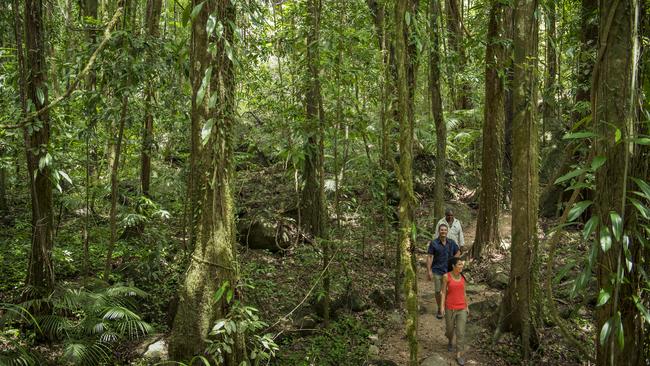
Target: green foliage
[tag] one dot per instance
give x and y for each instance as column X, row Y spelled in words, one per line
column 241, row 322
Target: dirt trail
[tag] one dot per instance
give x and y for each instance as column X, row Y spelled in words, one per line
column 431, row 331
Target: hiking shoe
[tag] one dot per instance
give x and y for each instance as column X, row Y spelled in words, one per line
column 439, row 316
column 450, row 347
column 461, row 361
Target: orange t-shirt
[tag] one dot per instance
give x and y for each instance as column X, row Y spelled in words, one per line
column 455, row 299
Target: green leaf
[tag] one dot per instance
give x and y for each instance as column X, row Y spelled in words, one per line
column 603, row 296
column 569, row 175
column 617, row 135
column 644, row 186
column 641, row 141
column 642, row 309
column 605, row 239
column 206, row 131
column 204, row 85
column 221, row 290
column 44, row 161
column 597, row 162
column 619, row 331
column 210, row 24
column 579, row 135
column 407, row 18
column 196, row 10
column 213, row 100
column 578, row 209
column 605, row 331
column 590, row 226
column 643, row 209
column 617, row 224
column 65, row 176
column 40, row 95
column 229, row 295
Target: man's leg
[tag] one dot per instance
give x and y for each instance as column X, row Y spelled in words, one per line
column 437, row 283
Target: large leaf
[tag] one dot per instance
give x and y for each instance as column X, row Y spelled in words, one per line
column 579, row 135
column 578, row 209
column 590, row 226
column 644, row 186
column 617, row 224
column 605, row 239
column 603, row 296
column 569, row 175
column 605, row 331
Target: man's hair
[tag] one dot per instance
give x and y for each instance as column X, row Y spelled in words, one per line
column 449, row 211
column 454, row 261
column 441, row 225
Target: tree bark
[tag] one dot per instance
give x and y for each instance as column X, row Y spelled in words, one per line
column 487, row 228
column 457, row 49
column 37, row 137
column 549, row 108
column 117, row 149
column 614, row 107
column 313, row 195
column 518, row 304
column 152, row 20
column 436, row 108
column 405, row 173
column 214, row 259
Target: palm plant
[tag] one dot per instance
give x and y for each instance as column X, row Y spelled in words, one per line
column 89, row 323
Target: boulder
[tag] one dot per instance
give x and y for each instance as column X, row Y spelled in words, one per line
column 266, row 231
column 435, row 360
column 475, row 288
column 157, row 351
column 484, row 308
column 498, row 279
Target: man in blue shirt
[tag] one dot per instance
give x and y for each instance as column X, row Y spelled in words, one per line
column 441, row 250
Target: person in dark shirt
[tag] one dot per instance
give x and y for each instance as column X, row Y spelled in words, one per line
column 440, row 251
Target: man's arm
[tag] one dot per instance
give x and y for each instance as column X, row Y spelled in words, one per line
column 461, row 237
column 443, row 293
column 429, row 264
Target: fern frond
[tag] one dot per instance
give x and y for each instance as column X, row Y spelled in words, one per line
column 80, row 353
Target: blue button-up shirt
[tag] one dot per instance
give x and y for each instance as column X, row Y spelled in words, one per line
column 441, row 254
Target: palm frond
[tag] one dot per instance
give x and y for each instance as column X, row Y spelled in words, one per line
column 55, row 326
column 80, row 353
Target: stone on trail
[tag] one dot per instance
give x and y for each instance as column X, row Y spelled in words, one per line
column 157, row 351
column 373, row 351
column 435, row 360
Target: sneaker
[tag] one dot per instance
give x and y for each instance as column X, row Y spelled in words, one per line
column 461, row 361
column 439, row 316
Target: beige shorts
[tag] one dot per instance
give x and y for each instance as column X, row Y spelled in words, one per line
column 437, row 282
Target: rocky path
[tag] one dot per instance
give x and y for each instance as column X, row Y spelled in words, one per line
column 431, row 331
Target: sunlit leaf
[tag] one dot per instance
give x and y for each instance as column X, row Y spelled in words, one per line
column 597, row 162
column 579, row 135
column 578, row 209
column 603, row 296
column 605, row 239
column 605, row 331
column 590, row 226
column 617, row 224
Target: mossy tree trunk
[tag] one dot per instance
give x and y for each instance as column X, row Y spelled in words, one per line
column 213, row 260
column 313, row 194
column 436, row 108
column 614, row 110
column 33, row 71
column 405, row 174
column 487, row 228
column 461, row 90
column 152, row 21
column 517, row 309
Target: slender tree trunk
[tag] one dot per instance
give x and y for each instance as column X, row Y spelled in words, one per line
column 614, row 105
column 3, row 192
column 509, row 108
column 117, row 146
column 487, row 227
column 405, row 173
column 34, row 76
column 549, row 108
column 152, row 20
column 457, row 49
column 518, row 303
column 313, row 195
column 214, row 259
column 436, row 108
column 586, row 55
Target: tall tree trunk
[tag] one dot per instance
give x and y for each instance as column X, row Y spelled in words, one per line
column 117, row 149
column 549, row 108
column 37, row 138
column 509, row 108
column 405, row 173
column 457, row 49
column 436, row 108
column 487, row 227
column 313, row 195
column 152, row 20
column 3, row 192
column 614, row 107
column 89, row 11
column 586, row 56
column 214, row 259
column 518, row 303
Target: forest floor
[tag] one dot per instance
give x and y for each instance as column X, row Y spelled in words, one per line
column 432, row 341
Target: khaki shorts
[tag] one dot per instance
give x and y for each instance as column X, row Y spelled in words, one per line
column 437, row 282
